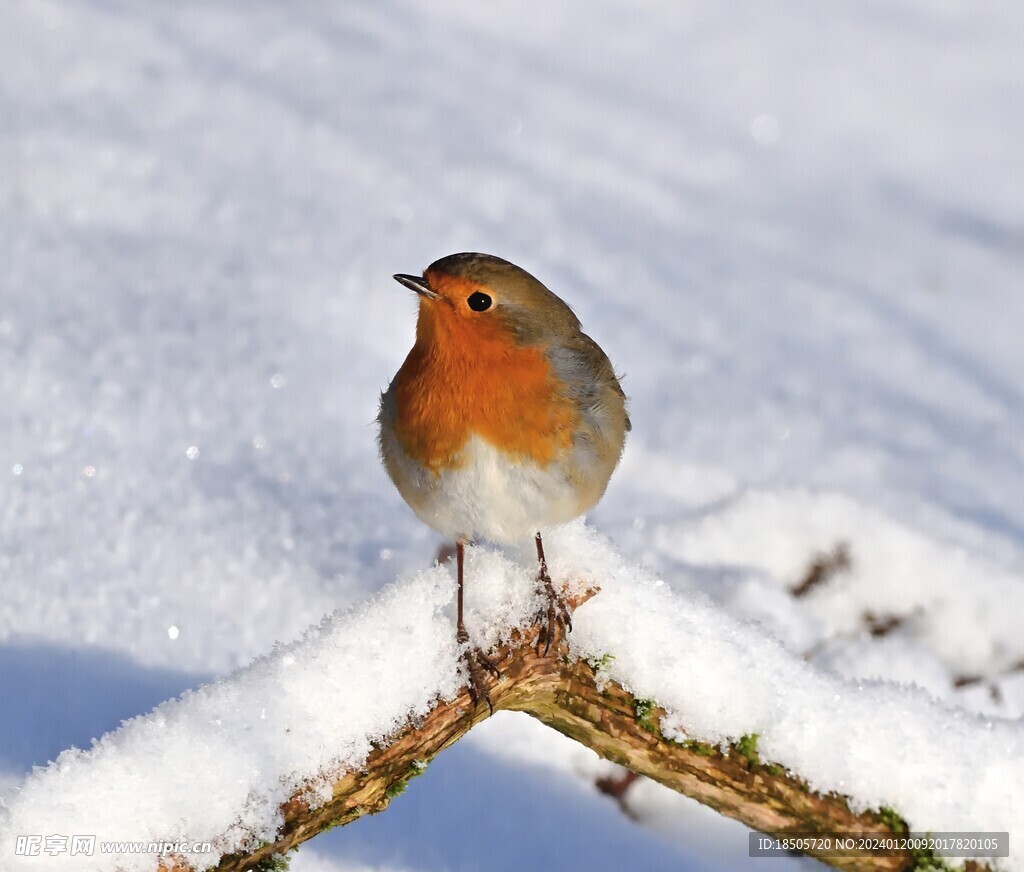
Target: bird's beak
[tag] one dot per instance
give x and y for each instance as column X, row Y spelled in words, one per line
column 418, row 284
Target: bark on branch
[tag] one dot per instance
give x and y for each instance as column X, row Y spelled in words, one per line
column 565, row 695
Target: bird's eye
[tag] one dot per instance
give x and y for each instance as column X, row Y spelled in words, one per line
column 479, row 301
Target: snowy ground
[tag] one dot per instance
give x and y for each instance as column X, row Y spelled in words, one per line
column 799, row 234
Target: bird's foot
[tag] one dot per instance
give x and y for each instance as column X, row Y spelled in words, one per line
column 555, row 619
column 477, row 665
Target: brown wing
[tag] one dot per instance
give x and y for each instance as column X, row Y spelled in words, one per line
column 600, row 370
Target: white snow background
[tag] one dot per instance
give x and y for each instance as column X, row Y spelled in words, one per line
column 798, row 231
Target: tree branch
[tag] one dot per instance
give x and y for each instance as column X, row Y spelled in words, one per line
column 566, row 695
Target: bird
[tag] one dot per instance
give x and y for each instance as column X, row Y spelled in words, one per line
column 504, row 419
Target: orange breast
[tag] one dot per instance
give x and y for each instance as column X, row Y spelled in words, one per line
column 466, row 376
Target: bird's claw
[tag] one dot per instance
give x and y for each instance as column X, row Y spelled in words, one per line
column 476, row 664
column 556, row 615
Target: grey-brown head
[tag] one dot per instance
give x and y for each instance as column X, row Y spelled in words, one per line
column 484, row 286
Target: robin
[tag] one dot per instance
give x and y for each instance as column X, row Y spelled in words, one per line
column 505, row 418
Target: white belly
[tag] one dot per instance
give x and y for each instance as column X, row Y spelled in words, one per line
column 486, row 496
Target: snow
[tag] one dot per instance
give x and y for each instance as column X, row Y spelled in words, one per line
column 944, row 591
column 224, row 758
column 799, row 235
column 719, row 680
column 216, row 765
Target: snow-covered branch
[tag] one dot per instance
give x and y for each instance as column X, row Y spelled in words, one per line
column 566, row 694
column 331, row 727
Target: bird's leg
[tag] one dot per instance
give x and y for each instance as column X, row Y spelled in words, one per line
column 460, row 624
column 476, row 660
column 557, row 611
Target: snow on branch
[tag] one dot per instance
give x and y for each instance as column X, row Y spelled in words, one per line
column 332, row 727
